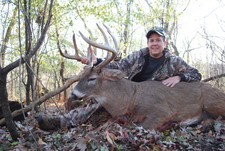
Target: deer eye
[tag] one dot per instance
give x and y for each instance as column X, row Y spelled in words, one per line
column 91, row 79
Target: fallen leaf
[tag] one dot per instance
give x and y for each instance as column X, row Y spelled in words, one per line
column 110, row 137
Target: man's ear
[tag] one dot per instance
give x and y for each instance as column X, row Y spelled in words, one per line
column 165, row 43
column 112, row 74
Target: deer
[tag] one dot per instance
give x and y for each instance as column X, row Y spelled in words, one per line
column 149, row 104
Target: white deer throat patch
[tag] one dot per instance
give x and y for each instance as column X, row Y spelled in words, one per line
column 78, row 94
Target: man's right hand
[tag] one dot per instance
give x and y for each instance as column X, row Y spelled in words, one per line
column 93, row 57
column 84, row 61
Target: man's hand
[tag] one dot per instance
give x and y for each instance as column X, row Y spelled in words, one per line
column 171, row 81
column 93, row 57
column 84, row 61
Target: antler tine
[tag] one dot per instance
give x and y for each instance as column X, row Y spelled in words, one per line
column 76, row 49
column 90, row 56
column 76, row 56
column 105, row 38
column 104, row 35
column 114, row 39
column 104, row 47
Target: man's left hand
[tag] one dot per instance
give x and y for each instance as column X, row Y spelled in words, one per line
column 171, row 81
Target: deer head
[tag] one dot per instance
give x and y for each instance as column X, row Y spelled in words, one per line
column 93, row 75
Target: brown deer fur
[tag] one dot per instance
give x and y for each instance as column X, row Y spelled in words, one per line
column 184, row 103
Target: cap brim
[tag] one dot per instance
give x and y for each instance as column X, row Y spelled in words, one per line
column 154, row 31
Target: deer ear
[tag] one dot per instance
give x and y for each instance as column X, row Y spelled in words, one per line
column 112, row 74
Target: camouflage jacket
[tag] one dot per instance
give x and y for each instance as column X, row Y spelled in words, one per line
column 172, row 66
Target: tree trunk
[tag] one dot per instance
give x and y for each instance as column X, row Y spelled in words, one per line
column 5, row 107
column 29, row 84
column 62, row 69
column 126, row 28
column 6, row 38
column 28, row 41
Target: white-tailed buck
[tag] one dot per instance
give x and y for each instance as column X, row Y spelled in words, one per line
column 150, row 103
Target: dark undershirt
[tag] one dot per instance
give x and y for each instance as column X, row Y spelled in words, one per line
column 150, row 66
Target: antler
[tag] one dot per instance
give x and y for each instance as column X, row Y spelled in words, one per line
column 104, row 47
column 76, row 56
column 114, row 39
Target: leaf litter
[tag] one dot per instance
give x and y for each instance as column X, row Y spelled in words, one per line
column 104, row 133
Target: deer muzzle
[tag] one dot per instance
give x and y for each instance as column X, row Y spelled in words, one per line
column 73, row 97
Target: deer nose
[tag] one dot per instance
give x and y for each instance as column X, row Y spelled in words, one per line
column 73, row 97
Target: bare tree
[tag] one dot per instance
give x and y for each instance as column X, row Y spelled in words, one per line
column 216, row 70
column 24, row 59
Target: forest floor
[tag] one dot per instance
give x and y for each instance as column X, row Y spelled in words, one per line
column 103, row 133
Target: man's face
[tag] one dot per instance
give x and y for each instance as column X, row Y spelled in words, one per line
column 156, row 45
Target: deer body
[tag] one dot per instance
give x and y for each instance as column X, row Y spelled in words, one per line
column 151, row 101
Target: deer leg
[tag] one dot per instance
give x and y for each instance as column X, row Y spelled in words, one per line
column 215, row 108
column 158, row 123
column 214, row 104
column 213, row 101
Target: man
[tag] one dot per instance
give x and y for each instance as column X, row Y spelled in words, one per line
column 154, row 62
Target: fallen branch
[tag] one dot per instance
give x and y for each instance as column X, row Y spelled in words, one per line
column 42, row 99
column 214, row 77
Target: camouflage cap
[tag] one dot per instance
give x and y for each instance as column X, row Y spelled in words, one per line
column 158, row 30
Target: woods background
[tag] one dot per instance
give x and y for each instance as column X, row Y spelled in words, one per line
column 33, row 31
